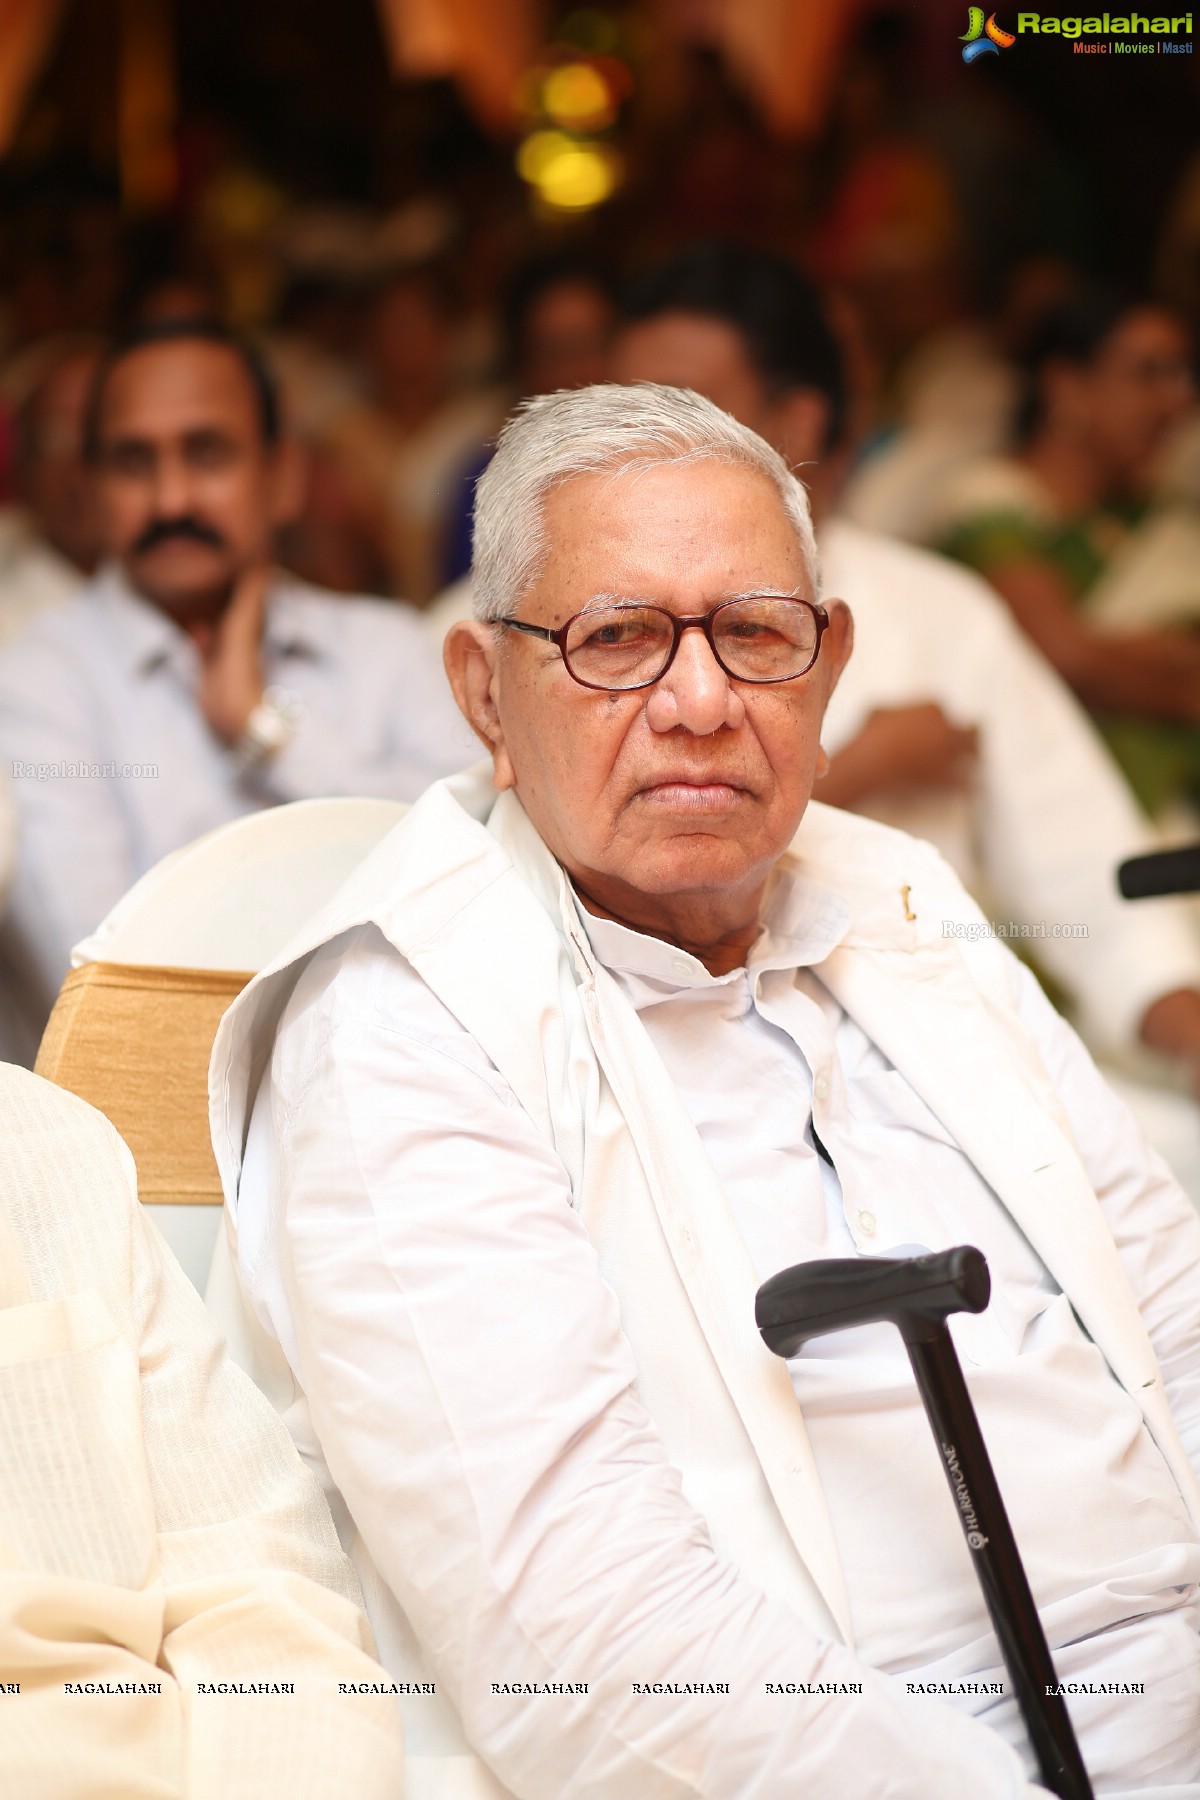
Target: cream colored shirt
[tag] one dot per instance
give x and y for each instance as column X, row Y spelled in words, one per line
column 176, row 1617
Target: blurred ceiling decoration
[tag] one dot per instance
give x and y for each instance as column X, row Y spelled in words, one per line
column 146, row 105
column 27, row 32
column 784, row 54
column 485, row 45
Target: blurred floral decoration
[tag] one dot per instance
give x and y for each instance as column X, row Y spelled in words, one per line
column 481, row 44
column 570, row 104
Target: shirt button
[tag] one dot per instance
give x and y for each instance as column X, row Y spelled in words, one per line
column 681, row 968
column 866, row 1223
column 821, row 1087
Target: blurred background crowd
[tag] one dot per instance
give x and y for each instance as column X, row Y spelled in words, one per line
column 423, row 211
column 426, row 210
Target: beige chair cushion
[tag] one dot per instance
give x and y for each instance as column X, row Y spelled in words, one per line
column 135, row 1040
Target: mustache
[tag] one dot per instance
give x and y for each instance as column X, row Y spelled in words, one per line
column 186, row 526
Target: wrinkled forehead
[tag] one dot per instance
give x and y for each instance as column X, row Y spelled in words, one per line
column 686, row 533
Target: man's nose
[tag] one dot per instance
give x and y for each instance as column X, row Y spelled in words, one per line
column 695, row 692
column 172, row 488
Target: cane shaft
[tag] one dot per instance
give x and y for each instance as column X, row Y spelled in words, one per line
column 998, row 1565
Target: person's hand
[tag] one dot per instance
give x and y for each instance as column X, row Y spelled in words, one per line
column 231, row 668
column 901, row 747
column 917, row 746
column 1171, row 1025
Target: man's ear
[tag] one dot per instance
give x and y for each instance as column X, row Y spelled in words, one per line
column 289, row 482
column 837, row 643
column 470, row 654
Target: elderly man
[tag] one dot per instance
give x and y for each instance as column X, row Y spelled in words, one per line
column 190, row 683
column 587, row 1051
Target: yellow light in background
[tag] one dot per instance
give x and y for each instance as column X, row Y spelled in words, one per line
column 577, row 177
column 577, row 95
column 570, row 98
column 538, row 151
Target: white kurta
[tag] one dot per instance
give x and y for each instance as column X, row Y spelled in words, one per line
column 521, row 1392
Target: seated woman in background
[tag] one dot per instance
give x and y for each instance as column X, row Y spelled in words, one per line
column 1106, row 381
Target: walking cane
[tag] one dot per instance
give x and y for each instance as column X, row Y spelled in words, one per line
column 917, row 1294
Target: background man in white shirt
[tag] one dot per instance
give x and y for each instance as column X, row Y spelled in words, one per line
column 948, row 723
column 190, row 682
column 544, row 1090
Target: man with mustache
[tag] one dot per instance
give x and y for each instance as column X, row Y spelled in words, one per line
column 191, row 682
column 600, row 1038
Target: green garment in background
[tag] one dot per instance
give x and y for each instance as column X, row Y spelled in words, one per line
column 1160, row 759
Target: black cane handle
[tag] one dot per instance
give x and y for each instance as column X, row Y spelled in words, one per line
column 914, row 1293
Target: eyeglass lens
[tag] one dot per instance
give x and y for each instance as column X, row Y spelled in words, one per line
column 762, row 638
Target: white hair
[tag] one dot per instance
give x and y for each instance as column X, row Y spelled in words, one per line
column 593, row 430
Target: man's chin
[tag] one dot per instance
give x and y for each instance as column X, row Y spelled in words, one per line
column 698, row 859
column 185, row 589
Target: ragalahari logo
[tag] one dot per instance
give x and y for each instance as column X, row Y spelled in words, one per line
column 980, row 39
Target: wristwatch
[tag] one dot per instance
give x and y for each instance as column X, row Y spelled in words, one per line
column 270, row 726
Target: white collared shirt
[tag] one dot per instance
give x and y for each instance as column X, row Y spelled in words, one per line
column 466, row 1391
column 107, row 682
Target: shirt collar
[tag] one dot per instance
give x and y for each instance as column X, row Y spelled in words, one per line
column 150, row 639
column 144, row 636
column 843, row 881
column 801, row 924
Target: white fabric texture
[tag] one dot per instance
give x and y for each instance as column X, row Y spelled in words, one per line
column 156, row 1525
column 33, row 576
column 107, row 680
column 482, row 1227
column 1111, row 1549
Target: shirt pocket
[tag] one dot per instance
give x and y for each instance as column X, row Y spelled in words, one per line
column 75, row 1496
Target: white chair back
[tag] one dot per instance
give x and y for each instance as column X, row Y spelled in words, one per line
column 229, row 902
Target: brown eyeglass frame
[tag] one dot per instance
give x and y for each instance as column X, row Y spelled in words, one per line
column 680, row 623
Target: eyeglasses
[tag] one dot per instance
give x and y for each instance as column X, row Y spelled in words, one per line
column 630, row 644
